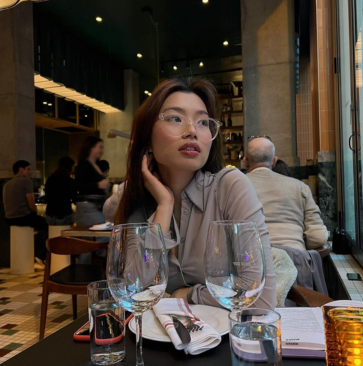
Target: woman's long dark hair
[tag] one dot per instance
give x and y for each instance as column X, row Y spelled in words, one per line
column 135, row 195
column 88, row 144
column 65, row 167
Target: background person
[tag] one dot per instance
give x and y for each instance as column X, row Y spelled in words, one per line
column 290, row 211
column 282, row 168
column 60, row 191
column 20, row 208
column 91, row 184
column 183, row 186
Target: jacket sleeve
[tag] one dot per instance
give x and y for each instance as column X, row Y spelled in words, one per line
column 238, row 201
column 112, row 203
column 316, row 234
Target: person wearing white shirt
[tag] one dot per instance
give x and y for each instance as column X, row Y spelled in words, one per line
column 292, row 217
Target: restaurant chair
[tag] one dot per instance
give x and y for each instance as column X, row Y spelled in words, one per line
column 307, row 298
column 324, row 251
column 72, row 279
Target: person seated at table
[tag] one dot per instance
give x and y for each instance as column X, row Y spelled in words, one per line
column 20, row 208
column 176, row 177
column 60, row 191
column 292, row 217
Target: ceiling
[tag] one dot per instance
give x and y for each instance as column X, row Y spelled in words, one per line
column 189, row 32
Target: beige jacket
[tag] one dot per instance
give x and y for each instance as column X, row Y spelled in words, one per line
column 290, row 211
column 228, row 195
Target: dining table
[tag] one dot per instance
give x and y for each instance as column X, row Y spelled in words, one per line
column 59, row 349
column 85, row 231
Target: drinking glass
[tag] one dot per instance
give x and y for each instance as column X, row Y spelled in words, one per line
column 234, row 263
column 343, row 331
column 107, row 325
column 255, row 337
column 137, row 271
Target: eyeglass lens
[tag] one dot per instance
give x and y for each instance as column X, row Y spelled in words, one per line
column 176, row 125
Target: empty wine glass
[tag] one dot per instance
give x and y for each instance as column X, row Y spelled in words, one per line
column 234, row 263
column 137, row 271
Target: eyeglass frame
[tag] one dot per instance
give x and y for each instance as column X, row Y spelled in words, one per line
column 218, row 123
column 250, row 138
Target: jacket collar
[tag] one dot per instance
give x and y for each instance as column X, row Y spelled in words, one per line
column 195, row 190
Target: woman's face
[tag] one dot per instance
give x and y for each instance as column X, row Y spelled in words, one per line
column 187, row 152
column 97, row 151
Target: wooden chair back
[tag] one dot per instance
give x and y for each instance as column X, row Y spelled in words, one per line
column 73, row 246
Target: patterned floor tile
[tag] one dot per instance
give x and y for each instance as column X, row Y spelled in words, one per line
column 20, row 302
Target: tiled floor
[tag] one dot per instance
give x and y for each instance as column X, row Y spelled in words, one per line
column 346, row 264
column 20, row 300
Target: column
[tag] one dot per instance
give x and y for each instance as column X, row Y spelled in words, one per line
column 268, row 50
column 17, row 107
column 116, row 147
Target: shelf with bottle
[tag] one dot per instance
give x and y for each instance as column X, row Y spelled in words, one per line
column 231, row 112
column 232, row 128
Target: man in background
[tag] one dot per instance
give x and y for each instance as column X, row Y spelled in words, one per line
column 292, row 217
column 19, row 204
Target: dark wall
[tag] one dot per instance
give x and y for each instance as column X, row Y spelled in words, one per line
column 51, row 146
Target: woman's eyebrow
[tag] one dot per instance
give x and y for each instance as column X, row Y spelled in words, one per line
column 182, row 110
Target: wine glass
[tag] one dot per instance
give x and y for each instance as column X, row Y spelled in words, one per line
column 234, row 263
column 137, row 271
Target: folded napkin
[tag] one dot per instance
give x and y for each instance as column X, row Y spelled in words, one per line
column 201, row 341
column 104, row 226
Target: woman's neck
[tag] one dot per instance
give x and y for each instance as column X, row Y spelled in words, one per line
column 176, row 180
column 92, row 160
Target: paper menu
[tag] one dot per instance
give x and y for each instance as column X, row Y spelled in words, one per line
column 302, row 328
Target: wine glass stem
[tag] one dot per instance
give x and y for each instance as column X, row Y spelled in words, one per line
column 139, row 359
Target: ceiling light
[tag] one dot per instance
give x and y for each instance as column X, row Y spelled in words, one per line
column 50, row 104
column 175, row 68
column 86, row 115
column 99, row 19
column 201, row 64
column 149, row 94
column 45, row 103
column 225, row 43
column 205, row 1
column 146, row 92
column 139, row 55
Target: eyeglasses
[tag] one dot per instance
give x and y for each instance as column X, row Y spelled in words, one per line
column 256, row 137
column 176, row 125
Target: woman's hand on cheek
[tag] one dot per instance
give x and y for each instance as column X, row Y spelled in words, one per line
column 162, row 194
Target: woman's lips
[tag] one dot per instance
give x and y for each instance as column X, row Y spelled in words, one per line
column 190, row 149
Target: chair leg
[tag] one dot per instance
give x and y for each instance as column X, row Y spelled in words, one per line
column 74, row 306
column 43, row 313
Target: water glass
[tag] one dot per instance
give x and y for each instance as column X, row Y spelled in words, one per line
column 344, row 336
column 107, row 325
column 255, row 337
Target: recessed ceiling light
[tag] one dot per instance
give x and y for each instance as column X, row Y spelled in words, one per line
column 146, row 92
column 149, row 94
column 45, row 103
column 139, row 55
column 86, row 115
column 50, row 104
column 201, row 64
column 225, row 43
column 205, row 1
column 175, row 68
column 99, row 19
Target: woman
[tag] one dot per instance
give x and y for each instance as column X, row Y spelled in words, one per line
column 91, row 183
column 183, row 186
column 60, row 191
